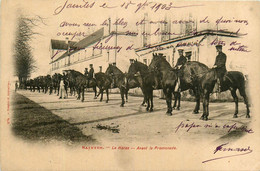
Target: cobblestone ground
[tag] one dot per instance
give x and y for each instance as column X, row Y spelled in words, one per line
column 110, row 123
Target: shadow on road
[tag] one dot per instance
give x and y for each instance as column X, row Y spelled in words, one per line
column 35, row 123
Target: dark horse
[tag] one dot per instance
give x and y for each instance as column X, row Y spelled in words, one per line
column 232, row 81
column 80, row 82
column 167, row 77
column 189, row 75
column 146, row 81
column 119, row 80
column 103, row 83
column 56, row 78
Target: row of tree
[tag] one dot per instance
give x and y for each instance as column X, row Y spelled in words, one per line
column 24, row 62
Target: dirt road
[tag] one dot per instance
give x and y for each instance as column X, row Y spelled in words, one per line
column 111, row 124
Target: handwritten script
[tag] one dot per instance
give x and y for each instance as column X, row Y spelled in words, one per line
column 135, row 6
column 229, row 127
column 237, row 150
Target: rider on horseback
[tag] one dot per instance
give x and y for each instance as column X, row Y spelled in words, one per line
column 181, row 61
column 113, row 84
column 220, row 67
column 86, row 72
column 90, row 74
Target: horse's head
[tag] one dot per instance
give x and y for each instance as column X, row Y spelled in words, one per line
column 133, row 68
column 137, row 66
column 159, row 62
column 113, row 70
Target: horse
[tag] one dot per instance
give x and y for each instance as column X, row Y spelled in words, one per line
column 167, row 78
column 92, row 83
column 46, row 83
column 103, row 83
column 56, row 78
column 32, row 86
column 145, row 79
column 232, row 81
column 189, row 75
column 79, row 80
column 119, row 80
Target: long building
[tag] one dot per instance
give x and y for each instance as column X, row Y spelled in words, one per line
column 106, row 46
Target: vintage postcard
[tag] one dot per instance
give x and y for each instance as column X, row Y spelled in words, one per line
column 130, row 85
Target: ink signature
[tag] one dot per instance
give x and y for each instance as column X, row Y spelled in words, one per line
column 241, row 151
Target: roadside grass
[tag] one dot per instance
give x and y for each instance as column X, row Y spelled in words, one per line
column 33, row 122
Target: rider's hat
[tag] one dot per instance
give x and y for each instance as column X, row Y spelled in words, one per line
column 131, row 61
column 180, row 50
column 91, row 65
column 188, row 53
column 219, row 46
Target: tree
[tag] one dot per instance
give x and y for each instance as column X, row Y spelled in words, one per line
column 23, row 59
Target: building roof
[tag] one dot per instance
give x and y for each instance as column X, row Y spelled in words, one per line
column 201, row 33
column 92, row 38
column 77, row 46
column 61, row 44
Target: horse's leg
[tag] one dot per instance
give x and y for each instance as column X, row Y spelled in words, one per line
column 95, row 91
column 207, row 107
column 143, row 104
column 82, row 99
column 122, row 97
column 197, row 106
column 179, row 100
column 243, row 94
column 101, row 98
column 51, row 89
column 168, row 95
column 144, row 100
column 58, row 90
column 234, row 95
column 107, row 95
column 126, row 95
column 74, row 90
column 175, row 100
column 151, row 99
column 78, row 92
column 147, row 100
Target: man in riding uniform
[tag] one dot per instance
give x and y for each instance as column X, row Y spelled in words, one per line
column 181, row 61
column 220, row 66
column 91, row 72
column 112, row 76
column 86, row 72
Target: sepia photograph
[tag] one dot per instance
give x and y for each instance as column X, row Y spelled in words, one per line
column 130, row 85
